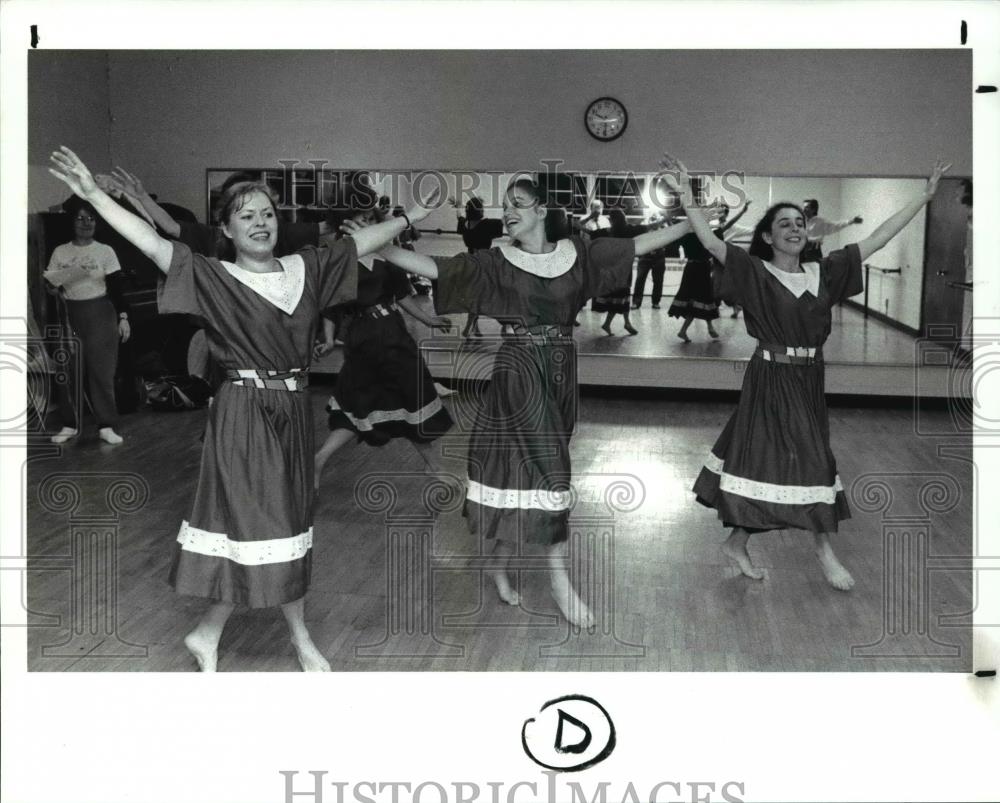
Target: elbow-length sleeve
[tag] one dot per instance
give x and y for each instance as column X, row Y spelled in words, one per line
column 840, row 271
column 180, row 289
column 336, row 266
column 734, row 280
column 468, row 282
column 607, row 263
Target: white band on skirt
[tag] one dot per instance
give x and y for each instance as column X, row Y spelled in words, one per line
column 384, row 416
column 770, row 492
column 519, row 500
column 246, row 553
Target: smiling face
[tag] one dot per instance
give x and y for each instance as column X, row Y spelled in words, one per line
column 522, row 213
column 253, row 225
column 788, row 232
column 84, row 224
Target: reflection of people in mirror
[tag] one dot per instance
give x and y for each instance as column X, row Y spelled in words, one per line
column 772, row 467
column 519, row 461
column 817, row 228
column 478, row 232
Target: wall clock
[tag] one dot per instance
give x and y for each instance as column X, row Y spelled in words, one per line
column 606, row 119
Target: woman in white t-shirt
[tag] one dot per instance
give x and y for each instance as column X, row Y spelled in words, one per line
column 78, row 271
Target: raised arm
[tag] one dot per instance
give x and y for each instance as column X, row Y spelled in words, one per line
column 891, row 227
column 74, row 174
column 410, row 261
column 651, row 240
column 133, row 189
column 678, row 180
column 372, row 238
column 735, row 218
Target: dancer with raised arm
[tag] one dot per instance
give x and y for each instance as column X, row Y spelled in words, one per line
column 384, row 390
column 248, row 540
column 519, row 461
column 772, row 467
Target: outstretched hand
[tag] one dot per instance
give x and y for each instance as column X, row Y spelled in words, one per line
column 73, row 173
column 129, row 181
column 422, row 208
column 940, row 168
column 674, row 173
column 109, row 184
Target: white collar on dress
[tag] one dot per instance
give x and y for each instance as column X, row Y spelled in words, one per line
column 282, row 288
column 368, row 261
column 547, row 266
column 797, row 283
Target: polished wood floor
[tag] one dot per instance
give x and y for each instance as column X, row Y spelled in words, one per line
column 396, row 588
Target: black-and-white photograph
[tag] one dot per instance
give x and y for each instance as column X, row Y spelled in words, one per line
column 418, row 362
column 582, row 404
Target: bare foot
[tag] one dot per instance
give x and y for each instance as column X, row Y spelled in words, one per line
column 310, row 658
column 504, row 588
column 205, row 651
column 606, row 327
column 834, row 571
column 631, row 329
column 741, row 558
column 570, row 604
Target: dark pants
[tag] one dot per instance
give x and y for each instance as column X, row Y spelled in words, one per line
column 641, row 272
column 95, row 324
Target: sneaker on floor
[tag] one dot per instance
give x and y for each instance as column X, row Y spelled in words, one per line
column 108, row 435
column 64, row 435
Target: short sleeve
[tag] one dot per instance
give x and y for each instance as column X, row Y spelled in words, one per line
column 840, row 271
column 109, row 261
column 734, row 281
column 178, row 290
column 336, row 266
column 607, row 263
column 467, row 282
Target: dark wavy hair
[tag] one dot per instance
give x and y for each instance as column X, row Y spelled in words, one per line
column 758, row 247
column 556, row 220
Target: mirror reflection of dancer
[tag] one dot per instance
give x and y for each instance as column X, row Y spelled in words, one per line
column 616, row 301
column 728, row 230
column 772, row 467
column 478, row 233
column 248, row 540
column 817, row 228
column 384, row 389
column 519, row 462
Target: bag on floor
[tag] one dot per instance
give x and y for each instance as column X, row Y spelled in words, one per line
column 173, row 393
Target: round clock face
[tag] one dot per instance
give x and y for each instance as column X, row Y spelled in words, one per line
column 606, row 119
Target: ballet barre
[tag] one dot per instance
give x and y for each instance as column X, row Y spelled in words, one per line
column 883, row 271
column 966, row 286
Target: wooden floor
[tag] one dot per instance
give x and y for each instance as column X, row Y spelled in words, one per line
column 394, row 589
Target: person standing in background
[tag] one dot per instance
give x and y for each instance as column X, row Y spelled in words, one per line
column 84, row 272
column 817, row 228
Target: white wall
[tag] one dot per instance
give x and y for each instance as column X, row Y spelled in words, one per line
column 898, row 295
column 173, row 114
column 68, row 104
